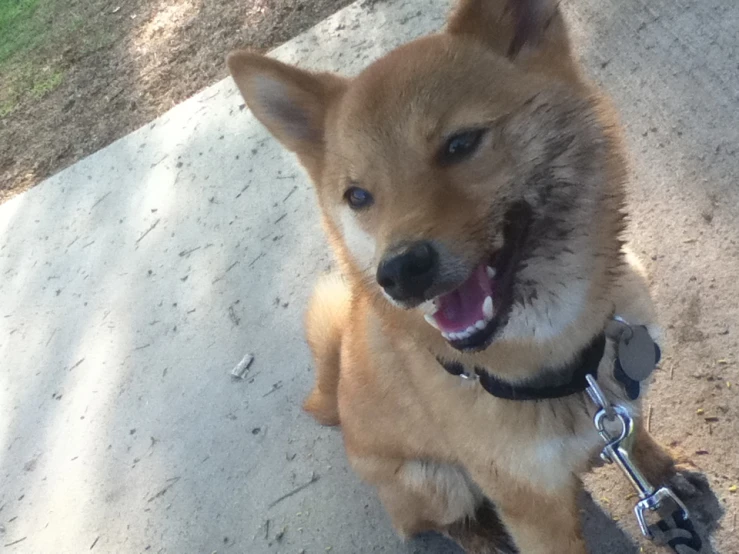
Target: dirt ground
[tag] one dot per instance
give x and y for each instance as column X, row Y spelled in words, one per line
column 113, row 66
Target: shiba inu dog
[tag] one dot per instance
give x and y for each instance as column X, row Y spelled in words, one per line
column 471, row 185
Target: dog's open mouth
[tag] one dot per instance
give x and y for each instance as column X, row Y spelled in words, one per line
column 469, row 316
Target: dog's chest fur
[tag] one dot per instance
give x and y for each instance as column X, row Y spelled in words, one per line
column 541, row 443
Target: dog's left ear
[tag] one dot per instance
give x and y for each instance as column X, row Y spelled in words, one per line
column 528, row 32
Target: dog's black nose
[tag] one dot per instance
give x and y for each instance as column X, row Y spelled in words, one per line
column 406, row 275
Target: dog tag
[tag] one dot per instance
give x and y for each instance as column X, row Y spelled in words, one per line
column 637, row 353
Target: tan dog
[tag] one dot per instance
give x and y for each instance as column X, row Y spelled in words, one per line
column 471, row 185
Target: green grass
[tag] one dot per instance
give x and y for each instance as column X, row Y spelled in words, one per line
column 6, row 108
column 29, row 31
column 37, row 36
column 18, row 27
column 27, row 80
column 46, row 82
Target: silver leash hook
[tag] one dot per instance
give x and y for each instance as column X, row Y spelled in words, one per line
column 599, row 398
column 618, row 449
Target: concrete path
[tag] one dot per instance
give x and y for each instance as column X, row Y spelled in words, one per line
column 134, row 281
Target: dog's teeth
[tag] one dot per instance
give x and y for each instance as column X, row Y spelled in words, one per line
column 491, row 272
column 480, row 325
column 471, row 329
column 431, row 321
column 447, row 336
column 487, row 308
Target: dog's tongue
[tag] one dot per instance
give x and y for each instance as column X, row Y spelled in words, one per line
column 463, row 307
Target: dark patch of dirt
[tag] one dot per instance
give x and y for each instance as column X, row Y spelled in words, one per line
column 131, row 61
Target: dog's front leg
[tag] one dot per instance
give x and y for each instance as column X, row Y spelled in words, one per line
column 539, row 521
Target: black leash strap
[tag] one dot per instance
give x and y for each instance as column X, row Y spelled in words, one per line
column 676, row 531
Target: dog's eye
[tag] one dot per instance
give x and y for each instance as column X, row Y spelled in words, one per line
column 460, row 146
column 358, row 198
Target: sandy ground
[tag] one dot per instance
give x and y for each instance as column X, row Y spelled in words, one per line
column 135, row 280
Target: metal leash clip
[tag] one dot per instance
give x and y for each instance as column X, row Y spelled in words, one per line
column 616, row 428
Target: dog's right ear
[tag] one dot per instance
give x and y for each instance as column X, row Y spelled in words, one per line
column 528, row 32
column 290, row 102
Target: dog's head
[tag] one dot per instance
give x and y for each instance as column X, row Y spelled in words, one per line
column 468, row 174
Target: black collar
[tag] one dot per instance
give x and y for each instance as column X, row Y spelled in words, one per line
column 556, row 382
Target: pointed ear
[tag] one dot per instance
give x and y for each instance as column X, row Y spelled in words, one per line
column 525, row 31
column 290, row 102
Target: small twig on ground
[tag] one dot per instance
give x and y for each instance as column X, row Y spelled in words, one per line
column 251, row 263
column 232, row 316
column 162, row 492
column 15, row 542
column 94, row 542
column 223, row 275
column 103, row 197
column 159, row 161
column 149, row 230
column 649, row 419
column 295, row 491
column 186, row 253
column 276, row 386
column 289, row 194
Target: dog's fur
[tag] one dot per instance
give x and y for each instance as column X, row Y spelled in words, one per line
column 441, row 451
